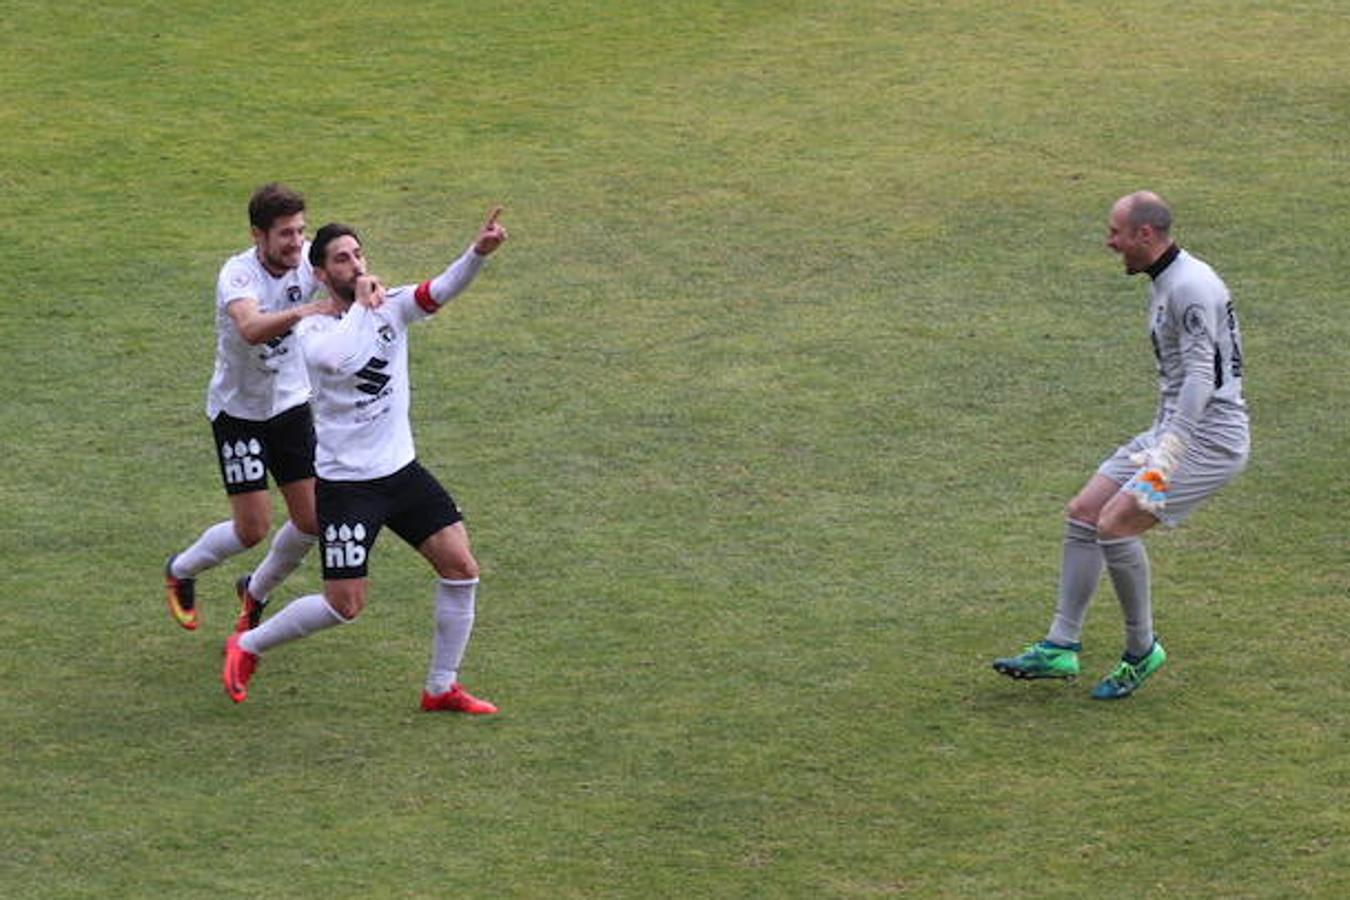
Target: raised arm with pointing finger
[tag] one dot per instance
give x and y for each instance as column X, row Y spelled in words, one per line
column 369, row 476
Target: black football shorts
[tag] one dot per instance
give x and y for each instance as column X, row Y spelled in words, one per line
column 351, row 513
column 248, row 449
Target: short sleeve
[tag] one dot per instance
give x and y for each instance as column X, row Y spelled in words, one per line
column 236, row 282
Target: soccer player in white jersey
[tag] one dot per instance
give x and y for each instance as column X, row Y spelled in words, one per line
column 368, row 471
column 1198, row 443
column 257, row 402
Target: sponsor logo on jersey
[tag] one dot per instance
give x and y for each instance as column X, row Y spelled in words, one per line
column 343, row 547
column 371, row 379
column 364, row 416
column 242, row 461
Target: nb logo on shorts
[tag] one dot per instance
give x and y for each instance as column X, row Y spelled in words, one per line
column 342, row 548
column 242, row 461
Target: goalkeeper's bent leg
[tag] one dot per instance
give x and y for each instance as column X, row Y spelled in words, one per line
column 1127, row 562
column 1080, row 570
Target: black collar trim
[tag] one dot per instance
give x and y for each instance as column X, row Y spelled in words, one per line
column 1162, row 262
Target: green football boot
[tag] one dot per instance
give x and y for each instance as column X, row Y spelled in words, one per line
column 1041, row 660
column 1125, row 678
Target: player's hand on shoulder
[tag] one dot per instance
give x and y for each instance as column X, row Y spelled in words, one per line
column 492, row 235
column 324, row 306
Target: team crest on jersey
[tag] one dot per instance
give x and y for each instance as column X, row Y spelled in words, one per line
column 386, row 334
column 1193, row 320
column 293, row 293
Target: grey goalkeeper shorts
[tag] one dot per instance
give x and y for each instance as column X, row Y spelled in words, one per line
column 1204, row 469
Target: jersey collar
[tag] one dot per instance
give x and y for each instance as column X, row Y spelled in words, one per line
column 1162, row 262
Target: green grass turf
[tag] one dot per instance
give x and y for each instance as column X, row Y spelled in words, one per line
column 763, row 422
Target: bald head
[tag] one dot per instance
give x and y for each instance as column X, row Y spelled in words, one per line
column 1147, row 208
column 1139, row 229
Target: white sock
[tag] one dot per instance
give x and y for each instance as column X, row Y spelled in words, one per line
column 288, row 549
column 454, row 624
column 297, row 619
column 217, row 543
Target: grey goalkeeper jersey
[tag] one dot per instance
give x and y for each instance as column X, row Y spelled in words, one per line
column 1198, row 346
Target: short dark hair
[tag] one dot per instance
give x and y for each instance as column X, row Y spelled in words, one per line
column 318, row 248
column 272, row 201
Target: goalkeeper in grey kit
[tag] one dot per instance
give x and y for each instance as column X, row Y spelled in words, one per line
column 1198, row 443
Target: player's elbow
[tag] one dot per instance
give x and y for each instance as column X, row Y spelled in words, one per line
column 252, row 334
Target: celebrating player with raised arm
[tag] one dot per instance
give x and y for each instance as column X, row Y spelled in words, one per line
column 1198, row 443
column 258, row 404
column 368, row 474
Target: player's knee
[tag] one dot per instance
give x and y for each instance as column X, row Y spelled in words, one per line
column 467, row 571
column 1108, row 529
column 251, row 531
column 308, row 523
column 1122, row 520
column 1079, row 510
column 459, row 568
column 347, row 604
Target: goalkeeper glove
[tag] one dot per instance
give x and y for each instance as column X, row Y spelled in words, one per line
column 1150, row 484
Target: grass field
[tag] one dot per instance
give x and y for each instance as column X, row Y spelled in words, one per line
column 763, row 423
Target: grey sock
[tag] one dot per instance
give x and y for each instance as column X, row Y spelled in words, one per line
column 1127, row 563
column 1080, row 570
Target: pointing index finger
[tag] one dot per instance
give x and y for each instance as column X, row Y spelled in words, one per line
column 492, row 217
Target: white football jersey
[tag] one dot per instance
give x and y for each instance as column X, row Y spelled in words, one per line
column 258, row 381
column 358, row 365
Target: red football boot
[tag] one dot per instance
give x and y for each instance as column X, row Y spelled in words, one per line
column 456, row 700
column 238, row 669
column 250, row 610
column 181, row 595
